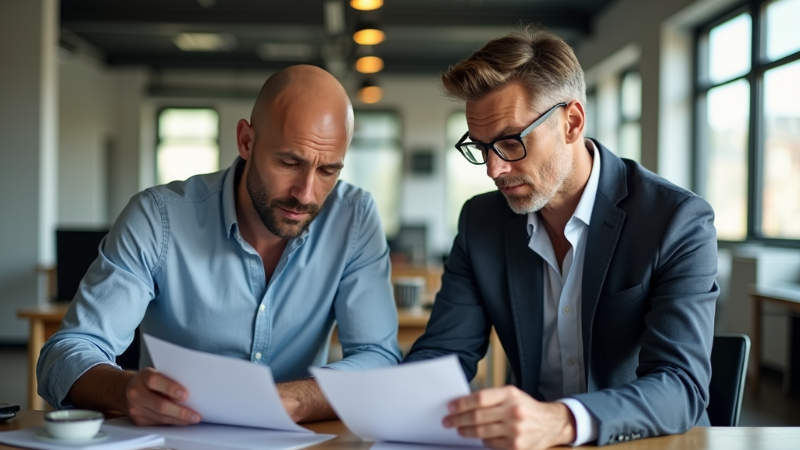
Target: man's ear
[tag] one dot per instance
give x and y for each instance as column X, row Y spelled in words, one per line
column 576, row 120
column 245, row 139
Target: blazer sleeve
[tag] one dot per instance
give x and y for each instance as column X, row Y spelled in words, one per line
column 670, row 393
column 459, row 324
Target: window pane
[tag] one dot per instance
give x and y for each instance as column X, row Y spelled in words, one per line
column 725, row 147
column 630, row 141
column 590, row 129
column 631, row 91
column 783, row 33
column 185, row 123
column 781, row 214
column 374, row 162
column 729, row 48
column 464, row 180
column 179, row 161
column 187, row 143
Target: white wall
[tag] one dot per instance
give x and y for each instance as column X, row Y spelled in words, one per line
column 28, row 133
column 86, row 124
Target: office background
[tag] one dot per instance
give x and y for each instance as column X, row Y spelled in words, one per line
column 100, row 99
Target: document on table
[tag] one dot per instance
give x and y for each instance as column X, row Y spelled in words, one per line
column 206, row 436
column 109, row 438
column 402, row 404
column 223, row 390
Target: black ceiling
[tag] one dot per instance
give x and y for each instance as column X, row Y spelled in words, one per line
column 422, row 36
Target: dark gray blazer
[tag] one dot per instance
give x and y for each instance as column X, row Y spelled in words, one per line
column 648, row 298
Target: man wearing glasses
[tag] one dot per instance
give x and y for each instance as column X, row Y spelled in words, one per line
column 598, row 275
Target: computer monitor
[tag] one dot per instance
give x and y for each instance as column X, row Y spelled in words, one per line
column 76, row 249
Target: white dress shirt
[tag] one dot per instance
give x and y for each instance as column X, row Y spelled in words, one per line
column 562, row 368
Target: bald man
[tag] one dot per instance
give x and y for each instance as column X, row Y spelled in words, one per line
column 255, row 262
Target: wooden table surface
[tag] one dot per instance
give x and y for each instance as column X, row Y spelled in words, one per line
column 699, row 438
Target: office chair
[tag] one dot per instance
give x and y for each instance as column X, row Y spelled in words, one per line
column 728, row 373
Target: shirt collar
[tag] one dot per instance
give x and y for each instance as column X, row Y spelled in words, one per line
column 583, row 211
column 229, row 195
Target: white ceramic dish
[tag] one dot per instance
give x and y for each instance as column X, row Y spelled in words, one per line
column 73, row 424
column 43, row 435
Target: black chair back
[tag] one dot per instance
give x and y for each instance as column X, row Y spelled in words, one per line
column 728, row 373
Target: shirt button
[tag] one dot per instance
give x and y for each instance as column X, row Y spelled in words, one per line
column 571, row 361
column 258, row 355
column 261, row 308
column 566, row 310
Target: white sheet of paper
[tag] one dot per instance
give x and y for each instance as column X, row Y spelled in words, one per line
column 217, row 437
column 118, row 439
column 223, row 390
column 402, row 404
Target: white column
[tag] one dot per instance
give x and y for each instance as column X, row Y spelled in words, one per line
column 28, row 159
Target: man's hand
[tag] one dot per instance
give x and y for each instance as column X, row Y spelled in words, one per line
column 509, row 418
column 304, row 401
column 153, row 399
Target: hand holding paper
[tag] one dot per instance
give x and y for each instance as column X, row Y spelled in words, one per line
column 223, row 390
column 403, row 404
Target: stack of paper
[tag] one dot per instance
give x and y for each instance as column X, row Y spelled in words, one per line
column 218, row 437
column 109, row 438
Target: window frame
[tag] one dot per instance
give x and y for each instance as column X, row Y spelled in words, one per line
column 157, row 135
column 759, row 65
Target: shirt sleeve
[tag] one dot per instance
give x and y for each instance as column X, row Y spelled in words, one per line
column 585, row 424
column 364, row 308
column 110, row 302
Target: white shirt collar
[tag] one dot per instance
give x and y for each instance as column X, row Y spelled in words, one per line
column 583, row 211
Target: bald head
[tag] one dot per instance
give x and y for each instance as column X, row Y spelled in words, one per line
column 307, row 94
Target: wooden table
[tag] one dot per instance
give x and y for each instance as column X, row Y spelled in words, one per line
column 699, row 438
column 787, row 296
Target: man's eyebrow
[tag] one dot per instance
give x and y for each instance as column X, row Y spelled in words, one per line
column 504, row 132
column 333, row 166
column 287, row 154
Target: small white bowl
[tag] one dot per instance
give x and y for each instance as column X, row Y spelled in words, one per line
column 73, row 424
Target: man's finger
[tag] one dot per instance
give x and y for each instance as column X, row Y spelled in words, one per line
column 480, row 399
column 489, row 431
column 160, row 383
column 479, row 416
column 162, row 407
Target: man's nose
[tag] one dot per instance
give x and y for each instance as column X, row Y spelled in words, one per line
column 303, row 188
column 496, row 166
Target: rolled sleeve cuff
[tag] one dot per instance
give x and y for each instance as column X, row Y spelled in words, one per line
column 585, row 424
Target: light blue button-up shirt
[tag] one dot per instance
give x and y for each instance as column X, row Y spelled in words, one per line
column 176, row 263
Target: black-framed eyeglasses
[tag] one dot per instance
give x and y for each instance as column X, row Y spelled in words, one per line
column 508, row 148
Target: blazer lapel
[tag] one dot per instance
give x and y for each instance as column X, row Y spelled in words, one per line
column 525, row 291
column 604, row 231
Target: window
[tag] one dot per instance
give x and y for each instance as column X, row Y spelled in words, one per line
column 374, row 162
column 188, row 143
column 590, row 129
column 630, row 113
column 748, row 121
column 614, row 110
column 464, row 180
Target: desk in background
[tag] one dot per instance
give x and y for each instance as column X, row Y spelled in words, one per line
column 44, row 322
column 699, row 438
column 788, row 297
column 411, row 324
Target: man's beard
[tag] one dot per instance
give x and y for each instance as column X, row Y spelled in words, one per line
column 552, row 175
column 267, row 208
